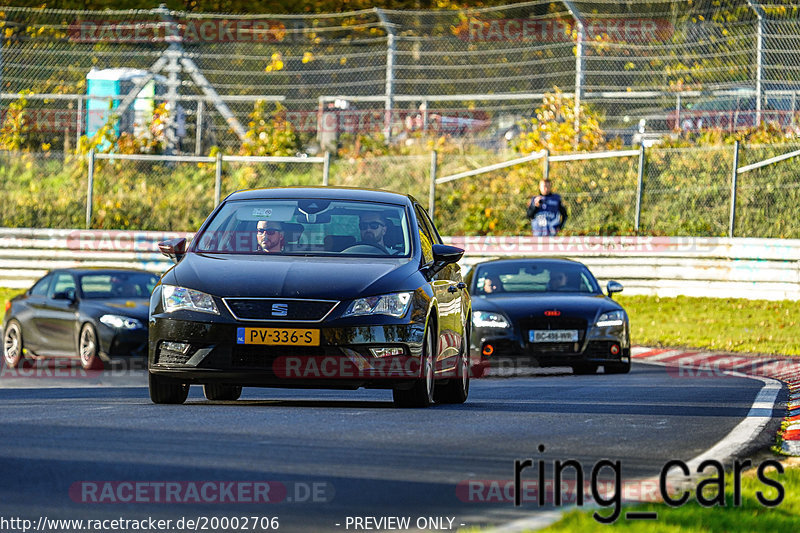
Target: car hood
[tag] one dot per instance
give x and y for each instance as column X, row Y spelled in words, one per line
column 587, row 306
column 290, row 276
column 130, row 307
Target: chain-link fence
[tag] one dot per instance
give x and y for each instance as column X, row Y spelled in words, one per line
column 684, row 191
column 646, row 67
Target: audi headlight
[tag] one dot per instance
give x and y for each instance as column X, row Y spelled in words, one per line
column 614, row 318
column 120, row 322
column 388, row 304
column 175, row 298
column 482, row 319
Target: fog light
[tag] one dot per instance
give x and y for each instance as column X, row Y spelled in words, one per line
column 488, row 350
column 387, row 351
column 614, row 349
column 179, row 347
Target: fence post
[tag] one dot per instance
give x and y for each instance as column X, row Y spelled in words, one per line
column 734, row 178
column 678, row 125
column 90, row 190
column 432, row 191
column 759, row 11
column 546, row 165
column 79, row 125
column 576, row 15
column 198, row 128
column 218, row 180
column 639, row 187
column 326, row 169
column 389, row 92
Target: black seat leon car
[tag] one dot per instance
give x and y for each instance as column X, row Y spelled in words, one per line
column 312, row 288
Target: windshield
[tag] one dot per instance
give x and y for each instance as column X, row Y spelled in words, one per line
column 307, row 227
column 499, row 279
column 117, row 285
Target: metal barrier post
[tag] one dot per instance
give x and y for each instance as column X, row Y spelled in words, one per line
column 639, row 187
column 326, row 169
column 90, row 189
column 218, row 180
column 734, row 177
column 432, row 191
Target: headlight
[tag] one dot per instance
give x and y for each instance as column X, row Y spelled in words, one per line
column 389, row 304
column 614, row 318
column 482, row 319
column 175, row 298
column 120, row 322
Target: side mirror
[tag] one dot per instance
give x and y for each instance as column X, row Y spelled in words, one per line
column 613, row 286
column 175, row 249
column 444, row 255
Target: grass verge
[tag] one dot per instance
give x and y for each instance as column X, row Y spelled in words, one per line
column 729, row 324
column 692, row 517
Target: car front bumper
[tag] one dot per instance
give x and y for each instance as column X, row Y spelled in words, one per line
column 343, row 359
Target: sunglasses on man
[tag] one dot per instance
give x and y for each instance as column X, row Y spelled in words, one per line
column 370, row 225
column 268, row 231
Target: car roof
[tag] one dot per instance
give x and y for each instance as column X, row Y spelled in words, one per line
column 328, row 193
column 99, row 270
column 525, row 260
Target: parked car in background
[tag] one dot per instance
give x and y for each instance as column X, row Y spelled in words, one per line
column 548, row 312
column 358, row 290
column 733, row 112
column 88, row 314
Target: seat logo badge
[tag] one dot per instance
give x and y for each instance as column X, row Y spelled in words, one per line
column 280, row 309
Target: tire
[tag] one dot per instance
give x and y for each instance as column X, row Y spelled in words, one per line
column 13, row 352
column 421, row 393
column 457, row 388
column 165, row 390
column 583, row 369
column 89, row 348
column 219, row 392
column 618, row 368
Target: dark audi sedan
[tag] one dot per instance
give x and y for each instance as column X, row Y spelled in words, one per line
column 548, row 312
column 91, row 314
column 312, row 288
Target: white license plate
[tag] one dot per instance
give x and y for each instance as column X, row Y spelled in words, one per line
column 553, row 335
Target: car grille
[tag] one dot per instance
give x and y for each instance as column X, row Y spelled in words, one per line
column 553, row 323
column 279, row 309
column 555, row 347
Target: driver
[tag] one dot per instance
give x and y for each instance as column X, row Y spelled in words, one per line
column 270, row 236
column 373, row 229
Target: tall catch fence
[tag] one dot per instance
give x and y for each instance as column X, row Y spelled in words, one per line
column 647, row 67
column 742, row 191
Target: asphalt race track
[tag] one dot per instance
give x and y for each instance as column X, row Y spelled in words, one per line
column 340, row 454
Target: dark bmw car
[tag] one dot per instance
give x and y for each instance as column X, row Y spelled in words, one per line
column 549, row 312
column 93, row 315
column 312, row 288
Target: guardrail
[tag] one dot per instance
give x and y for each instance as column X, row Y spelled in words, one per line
column 667, row 266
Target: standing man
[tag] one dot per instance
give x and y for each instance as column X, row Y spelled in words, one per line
column 546, row 211
column 270, row 236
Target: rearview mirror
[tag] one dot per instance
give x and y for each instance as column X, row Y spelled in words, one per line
column 175, row 249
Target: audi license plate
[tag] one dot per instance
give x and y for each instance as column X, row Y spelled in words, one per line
column 278, row 336
column 553, row 335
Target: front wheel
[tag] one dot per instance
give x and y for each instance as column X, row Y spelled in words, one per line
column 457, row 388
column 89, row 349
column 165, row 390
column 421, row 392
column 12, row 345
column 219, row 392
